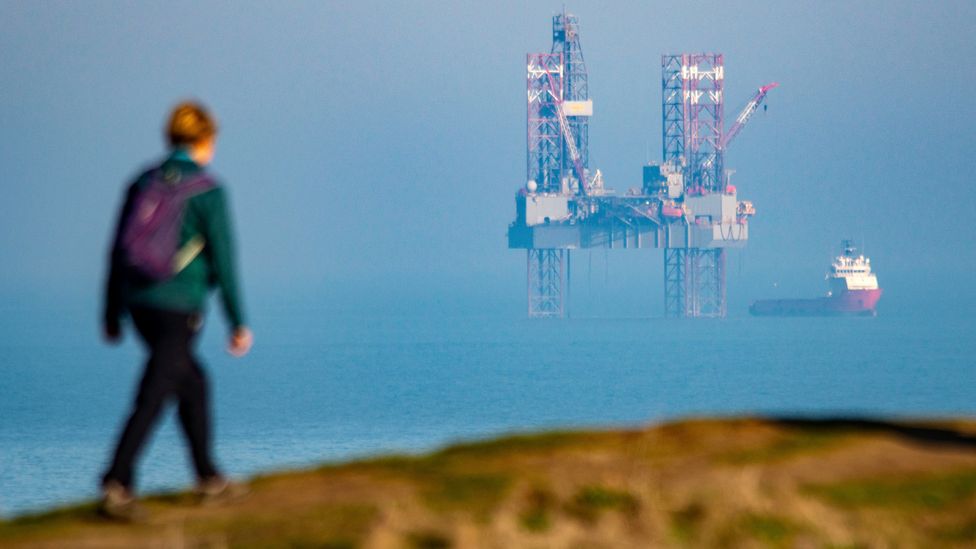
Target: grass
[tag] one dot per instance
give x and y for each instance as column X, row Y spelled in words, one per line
column 766, row 529
column 536, row 517
column 920, row 492
column 785, row 447
column 428, row 540
column 479, row 494
column 769, row 529
column 580, row 490
column 591, row 501
column 337, row 525
column 522, row 444
column 686, row 522
column 447, row 480
column 50, row 523
column 960, row 532
column 339, row 543
column 75, row 512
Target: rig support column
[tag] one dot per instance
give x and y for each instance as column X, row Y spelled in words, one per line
column 675, row 266
column 548, row 276
column 694, row 283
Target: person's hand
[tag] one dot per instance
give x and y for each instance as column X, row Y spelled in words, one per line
column 240, row 342
column 112, row 332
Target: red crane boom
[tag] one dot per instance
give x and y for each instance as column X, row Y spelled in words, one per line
column 740, row 121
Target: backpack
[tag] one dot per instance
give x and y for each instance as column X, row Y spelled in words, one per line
column 150, row 235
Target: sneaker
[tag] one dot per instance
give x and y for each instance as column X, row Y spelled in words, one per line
column 218, row 489
column 119, row 504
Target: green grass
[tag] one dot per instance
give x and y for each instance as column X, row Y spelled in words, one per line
column 536, row 516
column 513, row 479
column 769, row 529
column 519, row 444
column 960, row 532
column 51, row 523
column 447, row 480
column 428, row 540
column 314, row 527
column 339, row 543
column 464, row 454
column 786, row 447
column 535, row 520
column 919, row 492
column 591, row 501
column 686, row 522
column 479, row 494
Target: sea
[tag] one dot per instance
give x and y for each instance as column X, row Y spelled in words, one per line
column 327, row 385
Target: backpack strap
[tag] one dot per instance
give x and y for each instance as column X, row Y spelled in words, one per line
column 188, row 252
column 198, row 184
column 190, row 186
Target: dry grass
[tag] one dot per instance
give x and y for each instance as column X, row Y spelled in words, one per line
column 694, row 483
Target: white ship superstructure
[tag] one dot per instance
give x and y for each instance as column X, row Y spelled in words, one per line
column 851, row 272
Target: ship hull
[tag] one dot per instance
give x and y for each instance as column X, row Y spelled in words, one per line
column 850, row 303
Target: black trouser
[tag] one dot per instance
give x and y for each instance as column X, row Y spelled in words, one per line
column 172, row 371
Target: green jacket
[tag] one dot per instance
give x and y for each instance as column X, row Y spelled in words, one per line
column 207, row 215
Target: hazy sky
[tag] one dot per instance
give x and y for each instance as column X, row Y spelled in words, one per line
column 376, row 147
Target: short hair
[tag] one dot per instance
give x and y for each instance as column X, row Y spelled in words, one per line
column 190, row 123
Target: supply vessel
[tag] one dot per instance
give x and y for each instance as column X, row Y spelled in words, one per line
column 854, row 291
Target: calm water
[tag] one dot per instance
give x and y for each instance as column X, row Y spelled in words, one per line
column 320, row 386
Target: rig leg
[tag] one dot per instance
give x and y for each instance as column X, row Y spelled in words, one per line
column 675, row 266
column 548, row 276
column 694, row 283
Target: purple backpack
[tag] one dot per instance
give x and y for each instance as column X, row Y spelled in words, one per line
column 150, row 237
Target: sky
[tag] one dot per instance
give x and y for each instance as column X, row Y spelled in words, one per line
column 372, row 149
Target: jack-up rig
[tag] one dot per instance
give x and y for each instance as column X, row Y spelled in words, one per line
column 686, row 204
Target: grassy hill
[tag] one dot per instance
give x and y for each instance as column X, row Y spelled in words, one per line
column 693, row 483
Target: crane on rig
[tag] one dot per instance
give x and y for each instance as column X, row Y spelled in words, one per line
column 740, row 121
column 574, row 154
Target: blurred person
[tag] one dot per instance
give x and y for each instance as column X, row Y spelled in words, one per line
column 173, row 244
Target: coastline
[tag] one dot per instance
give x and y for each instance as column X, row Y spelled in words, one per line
column 694, row 482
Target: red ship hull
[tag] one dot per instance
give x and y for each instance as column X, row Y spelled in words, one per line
column 849, row 303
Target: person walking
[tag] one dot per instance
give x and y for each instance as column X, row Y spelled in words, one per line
column 173, row 244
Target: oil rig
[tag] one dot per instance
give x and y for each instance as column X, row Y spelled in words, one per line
column 685, row 205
